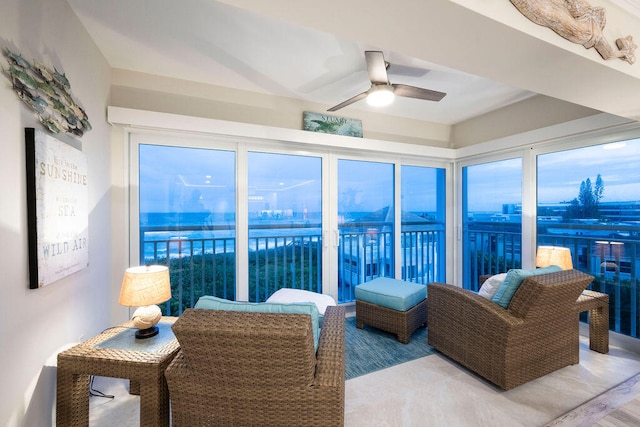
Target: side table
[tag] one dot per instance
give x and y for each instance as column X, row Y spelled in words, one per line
column 597, row 304
column 117, row 353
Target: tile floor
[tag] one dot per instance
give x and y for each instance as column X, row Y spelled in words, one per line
column 434, row 391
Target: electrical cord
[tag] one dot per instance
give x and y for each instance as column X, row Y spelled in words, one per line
column 97, row 393
column 117, row 327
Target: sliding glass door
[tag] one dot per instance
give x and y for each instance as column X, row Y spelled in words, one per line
column 187, row 214
column 589, row 202
column 285, row 223
column 491, row 218
column 234, row 220
column 422, row 238
column 366, row 219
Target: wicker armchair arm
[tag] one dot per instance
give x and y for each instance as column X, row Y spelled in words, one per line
column 462, row 303
column 330, row 362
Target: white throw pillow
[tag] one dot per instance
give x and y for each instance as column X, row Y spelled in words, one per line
column 288, row 296
column 491, row 285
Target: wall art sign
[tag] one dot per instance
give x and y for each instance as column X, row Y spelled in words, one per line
column 57, row 208
column 48, row 93
column 323, row 123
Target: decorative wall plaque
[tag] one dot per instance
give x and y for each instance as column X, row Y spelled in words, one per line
column 323, row 123
column 57, row 208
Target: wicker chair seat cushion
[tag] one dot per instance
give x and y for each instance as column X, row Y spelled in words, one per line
column 208, row 302
column 391, row 293
column 514, row 279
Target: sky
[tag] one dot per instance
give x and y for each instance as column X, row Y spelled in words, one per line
column 559, row 176
column 176, row 178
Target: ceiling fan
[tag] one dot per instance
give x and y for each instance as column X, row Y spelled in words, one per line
column 382, row 92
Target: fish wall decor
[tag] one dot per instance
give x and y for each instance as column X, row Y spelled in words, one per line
column 48, row 93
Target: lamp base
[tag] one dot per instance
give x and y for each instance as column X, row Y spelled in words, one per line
column 147, row 333
column 145, row 319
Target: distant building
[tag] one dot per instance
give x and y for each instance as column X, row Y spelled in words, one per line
column 627, row 212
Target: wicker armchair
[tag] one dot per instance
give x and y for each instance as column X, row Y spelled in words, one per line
column 257, row 369
column 536, row 335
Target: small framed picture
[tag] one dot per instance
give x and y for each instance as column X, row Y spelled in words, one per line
column 323, row 123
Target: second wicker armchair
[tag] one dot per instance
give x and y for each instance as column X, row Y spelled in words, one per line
column 536, row 335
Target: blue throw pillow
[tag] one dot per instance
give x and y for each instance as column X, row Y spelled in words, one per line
column 514, row 279
column 208, row 302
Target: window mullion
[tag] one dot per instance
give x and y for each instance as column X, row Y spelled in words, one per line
column 242, row 224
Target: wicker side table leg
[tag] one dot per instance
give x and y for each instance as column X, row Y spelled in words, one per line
column 154, row 402
column 72, row 398
column 599, row 329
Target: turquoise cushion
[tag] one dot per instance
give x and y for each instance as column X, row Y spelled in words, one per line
column 514, row 279
column 391, row 293
column 208, row 302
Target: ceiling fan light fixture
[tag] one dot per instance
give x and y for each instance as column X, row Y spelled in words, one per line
column 380, row 95
column 382, row 92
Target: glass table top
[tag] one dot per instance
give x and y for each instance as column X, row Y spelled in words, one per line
column 126, row 340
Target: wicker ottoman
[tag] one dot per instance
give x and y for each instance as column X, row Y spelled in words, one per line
column 391, row 305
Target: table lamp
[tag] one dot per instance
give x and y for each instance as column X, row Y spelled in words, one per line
column 554, row 255
column 144, row 287
column 610, row 253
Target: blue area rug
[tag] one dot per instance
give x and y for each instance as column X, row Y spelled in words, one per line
column 368, row 350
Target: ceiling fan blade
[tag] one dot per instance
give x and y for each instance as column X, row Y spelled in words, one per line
column 417, row 92
column 376, row 67
column 407, row 70
column 349, row 101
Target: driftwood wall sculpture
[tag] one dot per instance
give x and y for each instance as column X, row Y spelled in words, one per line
column 578, row 22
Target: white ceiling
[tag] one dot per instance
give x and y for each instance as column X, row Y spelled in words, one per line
column 631, row 6
column 210, row 42
column 259, row 49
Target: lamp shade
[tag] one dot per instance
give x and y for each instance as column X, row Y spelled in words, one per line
column 145, row 285
column 554, row 255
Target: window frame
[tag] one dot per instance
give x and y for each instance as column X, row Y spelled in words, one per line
column 242, row 146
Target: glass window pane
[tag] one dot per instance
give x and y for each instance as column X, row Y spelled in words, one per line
column 285, row 223
column 589, row 201
column 365, row 211
column 187, row 220
column 423, row 219
column 492, row 219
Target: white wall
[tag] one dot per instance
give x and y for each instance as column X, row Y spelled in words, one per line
column 35, row 323
column 142, row 91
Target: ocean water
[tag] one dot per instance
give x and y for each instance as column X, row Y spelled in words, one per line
column 196, row 233
column 187, row 234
